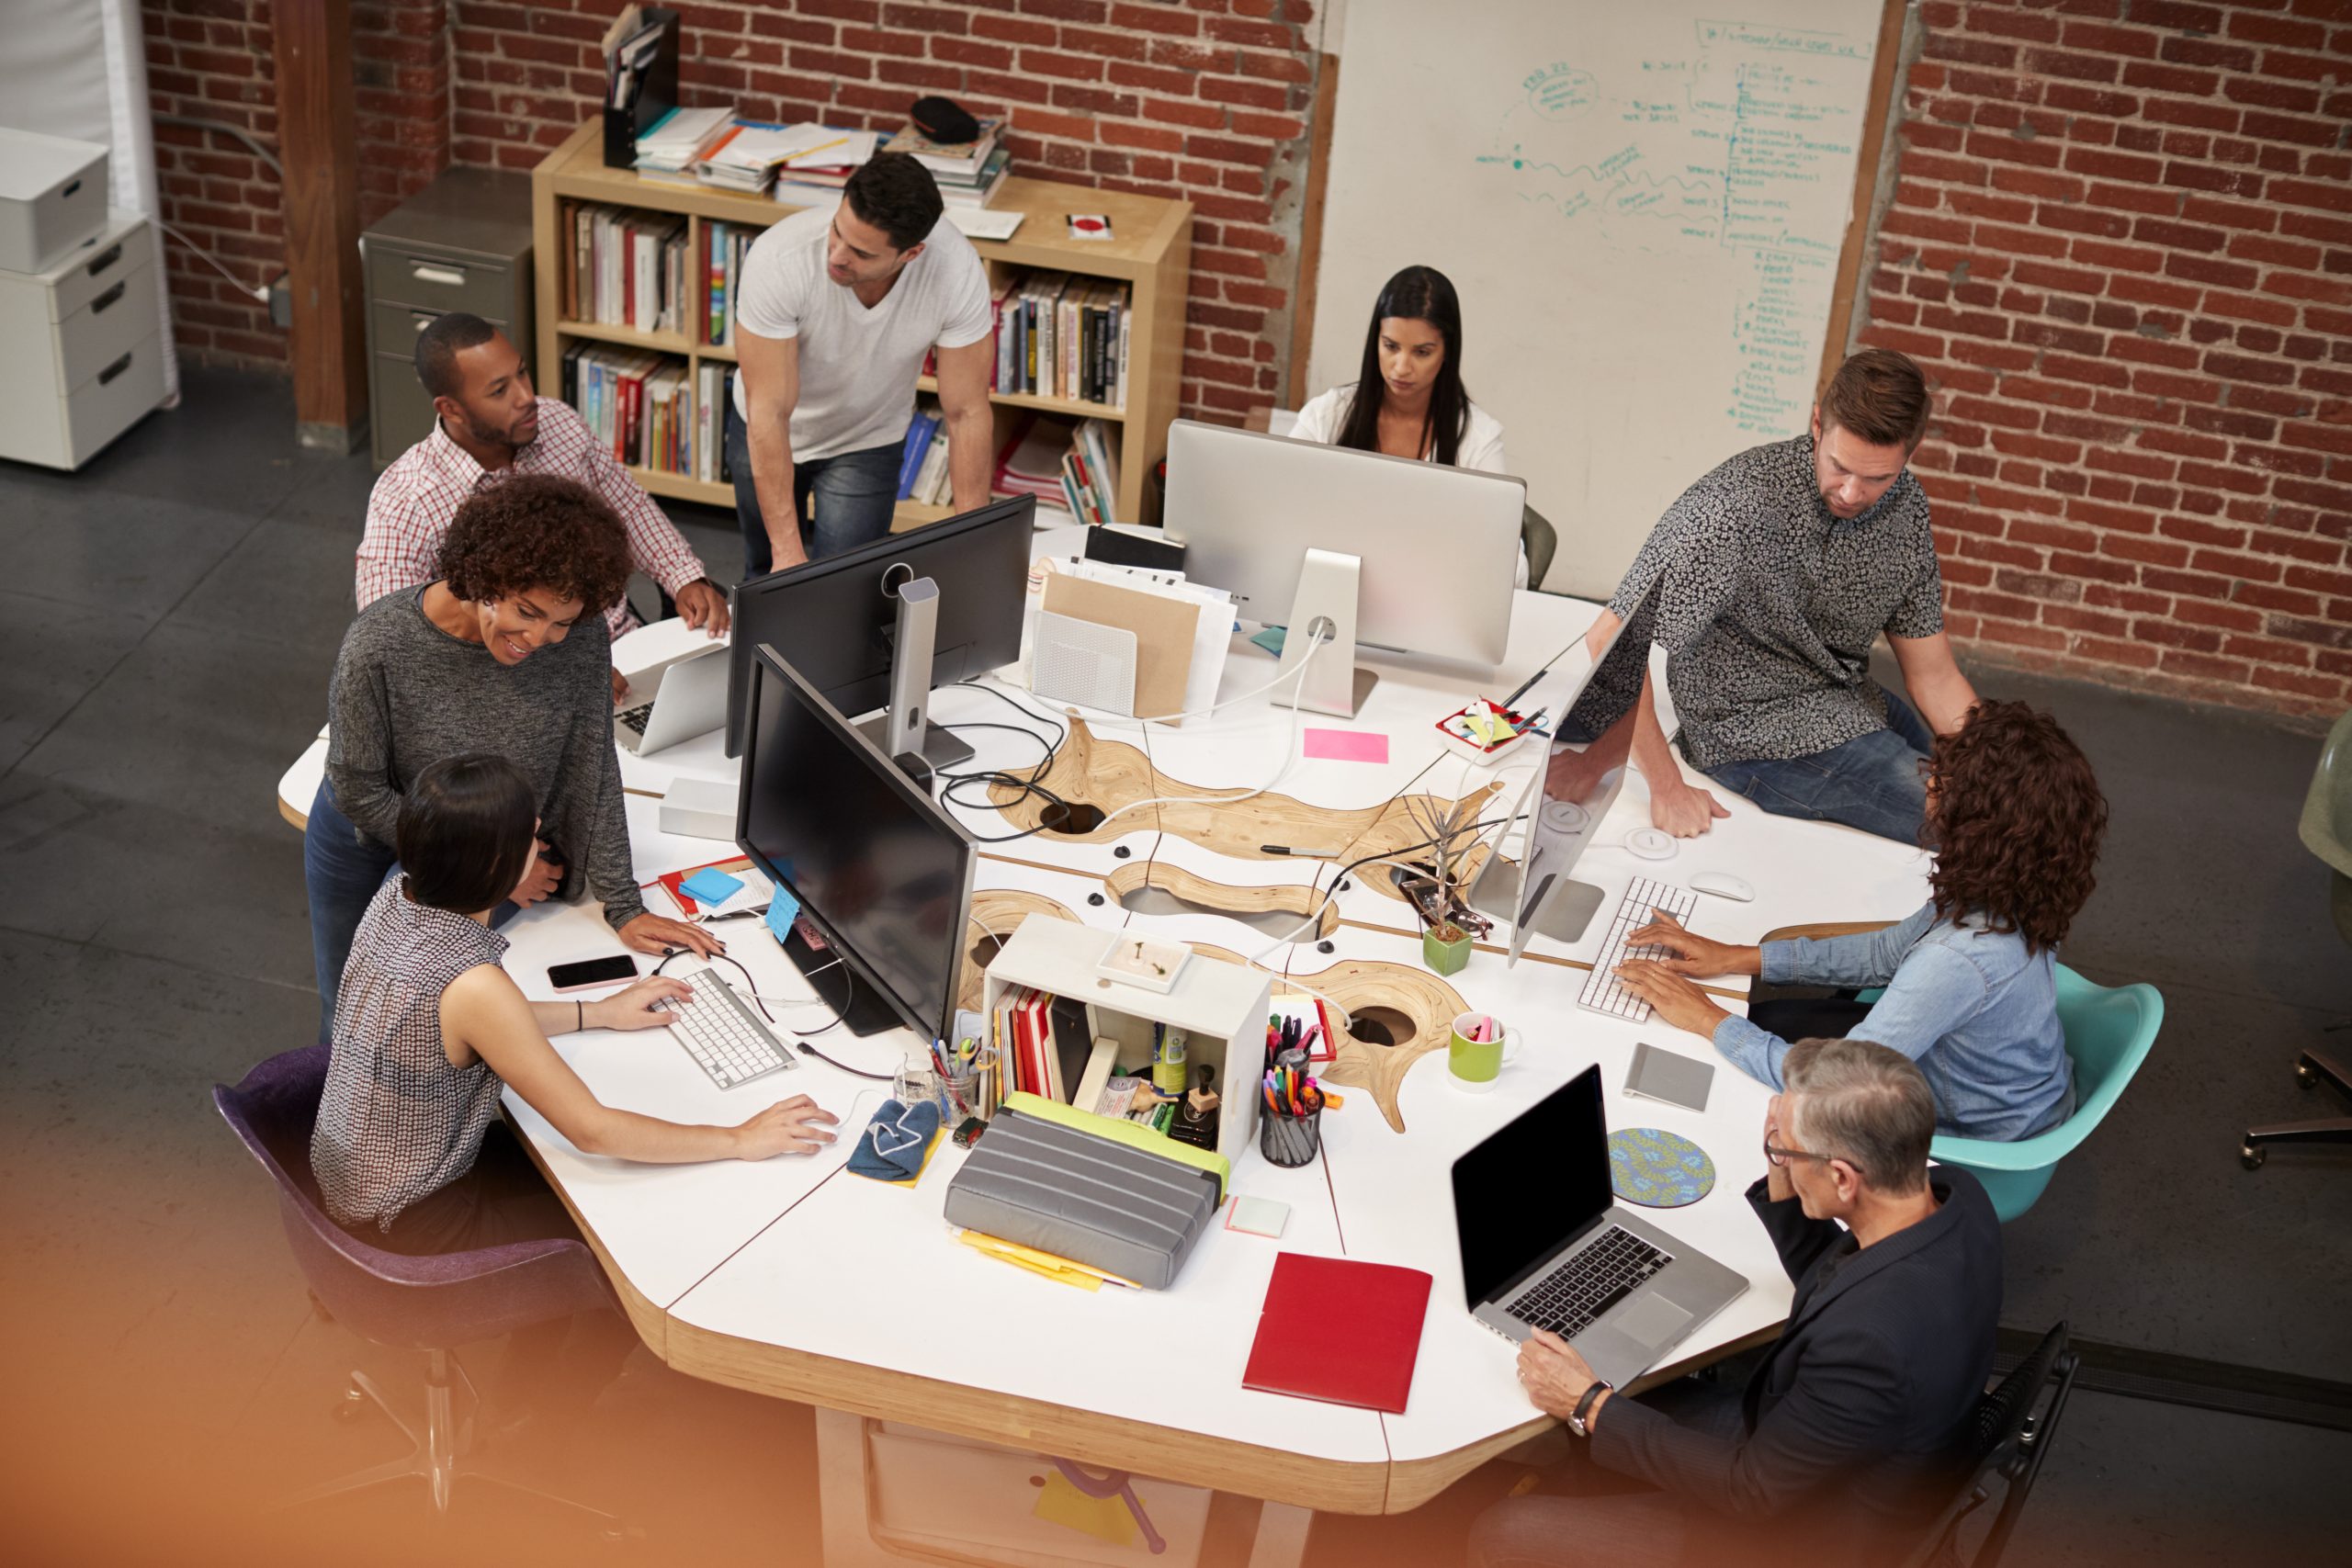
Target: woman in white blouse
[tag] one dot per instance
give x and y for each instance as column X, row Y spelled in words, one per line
column 1412, row 361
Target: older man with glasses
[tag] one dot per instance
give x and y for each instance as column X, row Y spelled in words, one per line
column 1851, row 1432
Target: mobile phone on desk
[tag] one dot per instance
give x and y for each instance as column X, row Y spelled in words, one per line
column 589, row 973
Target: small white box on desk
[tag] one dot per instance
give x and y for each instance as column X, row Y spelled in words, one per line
column 1221, row 1007
column 699, row 808
column 53, row 198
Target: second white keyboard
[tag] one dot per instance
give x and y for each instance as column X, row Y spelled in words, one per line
column 1603, row 992
column 723, row 1035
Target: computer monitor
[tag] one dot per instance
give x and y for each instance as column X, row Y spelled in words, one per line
column 1594, row 698
column 844, row 622
column 1414, row 556
column 883, row 874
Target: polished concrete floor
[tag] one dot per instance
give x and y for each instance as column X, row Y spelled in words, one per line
column 167, row 620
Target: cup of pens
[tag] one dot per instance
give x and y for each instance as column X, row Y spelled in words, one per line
column 1481, row 1045
column 1290, row 1117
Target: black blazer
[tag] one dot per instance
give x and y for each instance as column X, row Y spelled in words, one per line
column 1859, row 1413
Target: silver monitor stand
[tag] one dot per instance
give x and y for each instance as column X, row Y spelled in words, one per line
column 901, row 729
column 1325, row 604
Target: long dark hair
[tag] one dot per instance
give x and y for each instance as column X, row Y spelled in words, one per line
column 1415, row 294
column 465, row 832
column 2017, row 817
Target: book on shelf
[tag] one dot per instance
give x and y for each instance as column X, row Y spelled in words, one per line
column 748, row 154
column 667, row 149
column 635, row 401
column 980, row 188
column 921, row 430
column 1070, row 464
column 1060, row 336
column 961, row 158
column 720, row 260
column 627, row 268
column 714, row 394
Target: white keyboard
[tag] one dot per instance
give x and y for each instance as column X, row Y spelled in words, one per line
column 1602, row 992
column 721, row 1032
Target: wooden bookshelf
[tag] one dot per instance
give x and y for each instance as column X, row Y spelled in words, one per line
column 1151, row 252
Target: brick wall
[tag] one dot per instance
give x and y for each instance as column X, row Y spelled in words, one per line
column 211, row 60
column 2122, row 244
column 1202, row 99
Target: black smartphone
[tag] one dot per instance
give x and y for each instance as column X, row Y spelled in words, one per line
column 591, row 972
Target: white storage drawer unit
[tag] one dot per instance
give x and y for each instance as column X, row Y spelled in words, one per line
column 53, row 198
column 83, row 346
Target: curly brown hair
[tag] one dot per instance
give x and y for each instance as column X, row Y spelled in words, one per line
column 537, row 531
column 2017, row 815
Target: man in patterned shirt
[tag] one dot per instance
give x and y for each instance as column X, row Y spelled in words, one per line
column 1775, row 574
column 491, row 424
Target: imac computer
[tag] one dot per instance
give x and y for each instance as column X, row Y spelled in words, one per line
column 883, row 876
column 880, row 625
column 1385, row 552
column 1596, row 706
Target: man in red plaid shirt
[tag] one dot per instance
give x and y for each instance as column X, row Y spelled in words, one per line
column 491, row 425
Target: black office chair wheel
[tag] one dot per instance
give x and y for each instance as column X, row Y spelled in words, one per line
column 352, row 1405
column 2252, row 1155
column 2304, row 1077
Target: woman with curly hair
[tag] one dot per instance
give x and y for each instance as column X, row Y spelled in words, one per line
column 1971, row 979
column 504, row 651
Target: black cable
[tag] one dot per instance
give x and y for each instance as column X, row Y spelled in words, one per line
column 1028, row 785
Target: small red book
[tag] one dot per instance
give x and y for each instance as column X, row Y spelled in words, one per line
column 1340, row 1331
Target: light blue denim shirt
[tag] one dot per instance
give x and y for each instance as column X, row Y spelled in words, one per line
column 1975, row 1010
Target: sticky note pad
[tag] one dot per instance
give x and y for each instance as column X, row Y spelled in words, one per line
column 783, row 908
column 1257, row 1216
column 1348, row 745
column 710, row 886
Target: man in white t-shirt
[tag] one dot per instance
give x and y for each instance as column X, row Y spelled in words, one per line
column 834, row 312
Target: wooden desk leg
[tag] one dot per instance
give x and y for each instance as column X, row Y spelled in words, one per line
column 841, row 1492
column 1282, row 1536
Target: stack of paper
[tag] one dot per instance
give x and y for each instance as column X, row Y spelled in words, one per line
column 747, row 157
column 1182, row 629
column 668, row 148
column 816, row 177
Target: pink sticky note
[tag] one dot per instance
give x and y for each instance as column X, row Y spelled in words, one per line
column 1348, row 745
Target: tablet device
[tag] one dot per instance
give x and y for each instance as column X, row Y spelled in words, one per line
column 1667, row 1076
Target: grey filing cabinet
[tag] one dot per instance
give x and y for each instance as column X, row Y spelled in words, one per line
column 462, row 244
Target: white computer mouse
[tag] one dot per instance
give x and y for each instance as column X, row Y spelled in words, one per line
column 1723, row 885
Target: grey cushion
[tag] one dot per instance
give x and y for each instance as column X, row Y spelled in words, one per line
column 1091, row 1200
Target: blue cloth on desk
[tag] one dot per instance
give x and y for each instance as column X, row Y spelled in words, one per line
column 895, row 1144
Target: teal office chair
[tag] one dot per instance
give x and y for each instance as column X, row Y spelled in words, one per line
column 2108, row 1034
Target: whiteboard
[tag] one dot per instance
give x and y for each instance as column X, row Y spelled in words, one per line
column 1641, row 207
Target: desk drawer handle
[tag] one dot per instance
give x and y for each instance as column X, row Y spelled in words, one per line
column 70, row 189
column 106, row 259
column 117, row 368
column 448, row 275
column 418, row 321
column 98, row 306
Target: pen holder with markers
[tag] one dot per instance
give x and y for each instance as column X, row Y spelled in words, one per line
column 1289, row 1137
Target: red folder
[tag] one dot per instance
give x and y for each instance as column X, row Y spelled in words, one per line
column 1340, row 1331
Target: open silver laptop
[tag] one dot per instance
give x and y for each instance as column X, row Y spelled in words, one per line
column 673, row 702
column 1544, row 1246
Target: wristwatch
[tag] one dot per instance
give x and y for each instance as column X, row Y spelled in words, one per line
column 1577, row 1417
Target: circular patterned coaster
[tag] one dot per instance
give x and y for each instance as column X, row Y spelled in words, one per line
column 1658, row 1169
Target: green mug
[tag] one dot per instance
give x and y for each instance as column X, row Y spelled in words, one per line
column 1476, row 1064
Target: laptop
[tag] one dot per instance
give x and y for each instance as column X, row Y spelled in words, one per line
column 1544, row 1246
column 673, row 702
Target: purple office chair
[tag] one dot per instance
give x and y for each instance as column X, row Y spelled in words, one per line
column 426, row 1304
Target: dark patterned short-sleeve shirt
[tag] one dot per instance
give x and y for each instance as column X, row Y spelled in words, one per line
column 1766, row 604
column 397, row 1123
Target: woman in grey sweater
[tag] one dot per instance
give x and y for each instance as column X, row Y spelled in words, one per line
column 506, row 652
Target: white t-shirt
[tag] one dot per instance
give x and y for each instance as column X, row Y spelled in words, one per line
column 857, row 366
column 1481, row 446
column 1481, row 438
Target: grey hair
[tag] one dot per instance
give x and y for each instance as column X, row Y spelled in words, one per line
column 1865, row 1104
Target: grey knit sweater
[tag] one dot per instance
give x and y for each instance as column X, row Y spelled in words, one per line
column 406, row 693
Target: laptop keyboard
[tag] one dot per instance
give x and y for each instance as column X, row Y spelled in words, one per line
column 634, row 717
column 1570, row 1298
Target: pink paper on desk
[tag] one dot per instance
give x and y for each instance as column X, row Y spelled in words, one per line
column 1348, row 745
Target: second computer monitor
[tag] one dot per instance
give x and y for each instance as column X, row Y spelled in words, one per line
column 835, row 619
column 1438, row 545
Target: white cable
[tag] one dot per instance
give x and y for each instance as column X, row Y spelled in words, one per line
column 1290, row 758
column 261, row 294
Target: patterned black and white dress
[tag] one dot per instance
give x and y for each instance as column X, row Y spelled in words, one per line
column 397, row 1123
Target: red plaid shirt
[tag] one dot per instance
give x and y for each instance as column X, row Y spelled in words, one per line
column 415, row 500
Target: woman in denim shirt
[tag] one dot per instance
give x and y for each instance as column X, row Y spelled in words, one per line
column 1971, row 979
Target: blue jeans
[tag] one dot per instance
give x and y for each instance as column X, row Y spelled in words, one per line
column 1873, row 781
column 854, row 494
column 342, row 868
